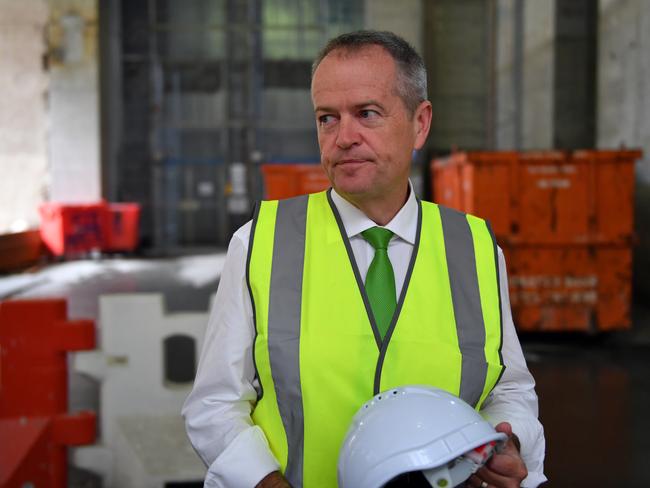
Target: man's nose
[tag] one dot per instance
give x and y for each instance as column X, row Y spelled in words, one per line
column 348, row 133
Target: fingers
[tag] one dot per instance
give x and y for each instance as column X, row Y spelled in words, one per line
column 476, row 482
column 494, row 480
column 508, row 462
column 506, row 469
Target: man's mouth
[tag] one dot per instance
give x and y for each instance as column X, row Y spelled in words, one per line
column 351, row 162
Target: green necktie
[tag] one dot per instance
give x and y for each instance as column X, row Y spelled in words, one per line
column 380, row 280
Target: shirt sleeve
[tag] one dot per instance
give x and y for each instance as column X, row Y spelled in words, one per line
column 513, row 399
column 218, row 410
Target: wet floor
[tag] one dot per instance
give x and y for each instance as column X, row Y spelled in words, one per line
column 594, row 404
column 594, row 391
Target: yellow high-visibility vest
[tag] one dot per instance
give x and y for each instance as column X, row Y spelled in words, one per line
column 318, row 354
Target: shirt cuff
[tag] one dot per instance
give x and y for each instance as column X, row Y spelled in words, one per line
column 244, row 463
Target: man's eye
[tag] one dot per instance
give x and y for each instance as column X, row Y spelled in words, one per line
column 368, row 114
column 325, row 119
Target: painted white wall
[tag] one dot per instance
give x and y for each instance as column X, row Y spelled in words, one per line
column 23, row 113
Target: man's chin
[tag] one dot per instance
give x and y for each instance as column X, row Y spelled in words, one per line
column 351, row 188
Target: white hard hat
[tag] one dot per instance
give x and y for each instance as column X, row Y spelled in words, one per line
column 415, row 428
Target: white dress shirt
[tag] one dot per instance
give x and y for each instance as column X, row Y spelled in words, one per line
column 217, row 411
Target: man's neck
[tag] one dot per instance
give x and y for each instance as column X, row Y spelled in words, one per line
column 382, row 209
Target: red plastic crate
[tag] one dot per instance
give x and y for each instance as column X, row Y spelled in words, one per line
column 123, row 227
column 73, row 228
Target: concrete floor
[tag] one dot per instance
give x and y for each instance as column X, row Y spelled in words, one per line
column 594, row 391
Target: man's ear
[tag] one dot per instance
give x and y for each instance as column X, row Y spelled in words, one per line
column 422, row 121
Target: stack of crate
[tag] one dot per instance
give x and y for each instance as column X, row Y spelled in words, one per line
column 565, row 222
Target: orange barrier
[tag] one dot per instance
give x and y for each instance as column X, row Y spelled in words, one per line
column 291, row 180
column 35, row 427
column 565, row 221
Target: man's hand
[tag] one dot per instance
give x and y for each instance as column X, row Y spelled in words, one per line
column 273, row 480
column 505, row 469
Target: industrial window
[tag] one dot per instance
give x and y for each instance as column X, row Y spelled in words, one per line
column 297, row 29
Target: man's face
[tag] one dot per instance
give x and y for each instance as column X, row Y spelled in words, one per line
column 365, row 132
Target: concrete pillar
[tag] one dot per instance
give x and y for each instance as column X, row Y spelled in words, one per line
column 624, row 107
column 74, row 141
column 508, row 73
column 545, row 72
column 574, row 117
column 23, row 118
column 624, row 78
column 458, row 53
column 538, row 74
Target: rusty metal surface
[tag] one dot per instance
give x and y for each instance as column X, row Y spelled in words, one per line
column 570, row 288
column 290, row 180
column 20, row 250
column 546, row 197
column 565, row 220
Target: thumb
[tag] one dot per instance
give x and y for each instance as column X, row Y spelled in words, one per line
column 513, row 440
column 504, row 427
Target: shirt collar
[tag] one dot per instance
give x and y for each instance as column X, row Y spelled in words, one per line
column 403, row 225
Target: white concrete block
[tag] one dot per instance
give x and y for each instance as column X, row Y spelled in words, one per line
column 140, row 421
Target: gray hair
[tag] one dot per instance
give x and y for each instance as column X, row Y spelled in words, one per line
column 411, row 73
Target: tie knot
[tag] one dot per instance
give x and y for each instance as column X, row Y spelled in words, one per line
column 378, row 237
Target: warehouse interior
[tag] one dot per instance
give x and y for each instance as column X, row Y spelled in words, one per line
column 187, row 109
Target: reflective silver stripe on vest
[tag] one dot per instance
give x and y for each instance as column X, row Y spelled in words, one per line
column 463, row 278
column 284, row 326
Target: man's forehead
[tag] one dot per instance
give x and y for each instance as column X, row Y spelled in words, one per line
column 338, row 73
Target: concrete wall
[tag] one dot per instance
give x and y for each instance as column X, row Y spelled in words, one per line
column 524, row 73
column 508, row 74
column 403, row 18
column 458, row 53
column 74, row 101
column 545, row 74
column 49, row 125
column 538, row 74
column 624, row 106
column 23, row 118
column 575, row 74
column 624, row 78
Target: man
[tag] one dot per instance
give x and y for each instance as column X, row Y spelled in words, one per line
column 329, row 298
